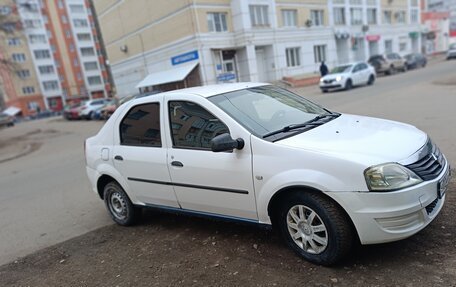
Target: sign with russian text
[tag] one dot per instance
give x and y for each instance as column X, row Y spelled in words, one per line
column 184, row 58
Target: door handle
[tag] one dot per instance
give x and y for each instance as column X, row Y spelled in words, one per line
column 177, row 163
column 118, row 157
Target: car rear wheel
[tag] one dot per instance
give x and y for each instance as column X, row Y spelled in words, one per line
column 371, row 80
column 315, row 228
column 119, row 206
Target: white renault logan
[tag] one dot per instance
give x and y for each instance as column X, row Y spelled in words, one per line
column 259, row 153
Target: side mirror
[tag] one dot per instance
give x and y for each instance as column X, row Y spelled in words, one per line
column 224, row 142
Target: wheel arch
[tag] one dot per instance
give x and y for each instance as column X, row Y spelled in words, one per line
column 102, row 181
column 275, row 200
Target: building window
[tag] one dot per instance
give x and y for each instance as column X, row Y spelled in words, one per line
column 28, row 90
column 64, row 19
column 216, row 22
column 80, row 23
column 84, row 37
column 94, row 80
column 259, row 15
column 320, row 53
column 402, row 47
column 388, row 46
column 14, row 41
column 42, row 54
column 293, row 57
column 33, row 106
column 371, row 16
column 46, row 70
column 339, row 16
column 75, row 62
column 18, row 57
column 76, row 8
column 91, row 66
column 23, row 74
column 414, row 16
column 356, row 16
column 87, row 51
column 71, row 47
column 317, row 17
column 5, row 10
column 290, row 18
column 51, row 85
column 387, row 17
column 37, row 38
column 35, row 23
column 400, row 17
column 9, row 27
column 414, row 3
column 60, row 4
column 78, row 76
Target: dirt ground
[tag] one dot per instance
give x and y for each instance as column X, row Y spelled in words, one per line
column 175, row 250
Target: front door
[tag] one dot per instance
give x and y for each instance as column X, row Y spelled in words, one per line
column 261, row 65
column 205, row 181
column 140, row 156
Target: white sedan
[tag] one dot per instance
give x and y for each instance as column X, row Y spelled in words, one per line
column 261, row 154
column 348, row 76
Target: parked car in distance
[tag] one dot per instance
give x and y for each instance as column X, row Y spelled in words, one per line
column 388, row 63
column 348, row 76
column 451, row 53
column 6, row 120
column 89, row 107
column 72, row 112
column 415, row 60
column 261, row 154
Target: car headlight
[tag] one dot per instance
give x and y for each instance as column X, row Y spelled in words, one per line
column 389, row 177
column 321, row 80
column 339, row 78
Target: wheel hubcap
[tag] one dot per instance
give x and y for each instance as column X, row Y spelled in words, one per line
column 118, row 206
column 307, row 229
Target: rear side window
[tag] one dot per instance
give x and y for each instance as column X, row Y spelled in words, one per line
column 192, row 126
column 141, row 126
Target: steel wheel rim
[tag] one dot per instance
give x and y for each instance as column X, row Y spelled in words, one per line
column 307, row 229
column 118, row 205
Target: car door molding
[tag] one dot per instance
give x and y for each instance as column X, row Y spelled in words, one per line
column 222, row 189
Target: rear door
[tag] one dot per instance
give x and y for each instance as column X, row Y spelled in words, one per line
column 204, row 181
column 140, row 154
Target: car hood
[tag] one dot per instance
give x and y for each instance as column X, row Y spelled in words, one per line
column 365, row 140
column 334, row 76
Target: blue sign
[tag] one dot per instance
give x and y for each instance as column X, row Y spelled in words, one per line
column 226, row 77
column 183, row 58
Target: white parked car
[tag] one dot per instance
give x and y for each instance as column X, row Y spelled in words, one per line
column 348, row 76
column 451, row 53
column 259, row 153
column 87, row 110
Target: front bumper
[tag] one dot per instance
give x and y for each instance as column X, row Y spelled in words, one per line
column 331, row 86
column 381, row 217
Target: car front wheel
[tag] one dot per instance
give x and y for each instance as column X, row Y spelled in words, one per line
column 119, row 206
column 348, row 85
column 315, row 228
column 371, row 80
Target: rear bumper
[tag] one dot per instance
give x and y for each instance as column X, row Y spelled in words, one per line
column 381, row 217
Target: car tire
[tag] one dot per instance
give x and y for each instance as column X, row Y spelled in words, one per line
column 348, row 85
column 324, row 91
column 326, row 239
column 371, row 80
column 89, row 116
column 119, row 206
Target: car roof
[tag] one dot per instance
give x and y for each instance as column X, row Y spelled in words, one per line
column 212, row 90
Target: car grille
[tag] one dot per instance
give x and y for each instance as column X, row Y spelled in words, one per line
column 430, row 165
column 431, row 206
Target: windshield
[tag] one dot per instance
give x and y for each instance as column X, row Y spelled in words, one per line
column 341, row 69
column 266, row 109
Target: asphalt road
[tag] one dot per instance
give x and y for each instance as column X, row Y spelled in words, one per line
column 45, row 197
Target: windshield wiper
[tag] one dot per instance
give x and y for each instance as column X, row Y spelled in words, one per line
column 312, row 122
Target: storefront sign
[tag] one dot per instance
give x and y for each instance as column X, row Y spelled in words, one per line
column 226, row 77
column 184, row 58
column 373, row 38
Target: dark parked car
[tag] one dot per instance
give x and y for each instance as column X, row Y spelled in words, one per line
column 6, row 120
column 415, row 60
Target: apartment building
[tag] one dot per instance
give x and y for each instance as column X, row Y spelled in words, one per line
column 61, row 59
column 173, row 44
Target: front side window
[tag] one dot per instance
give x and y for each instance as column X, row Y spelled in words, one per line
column 216, row 22
column 192, row 126
column 141, row 126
